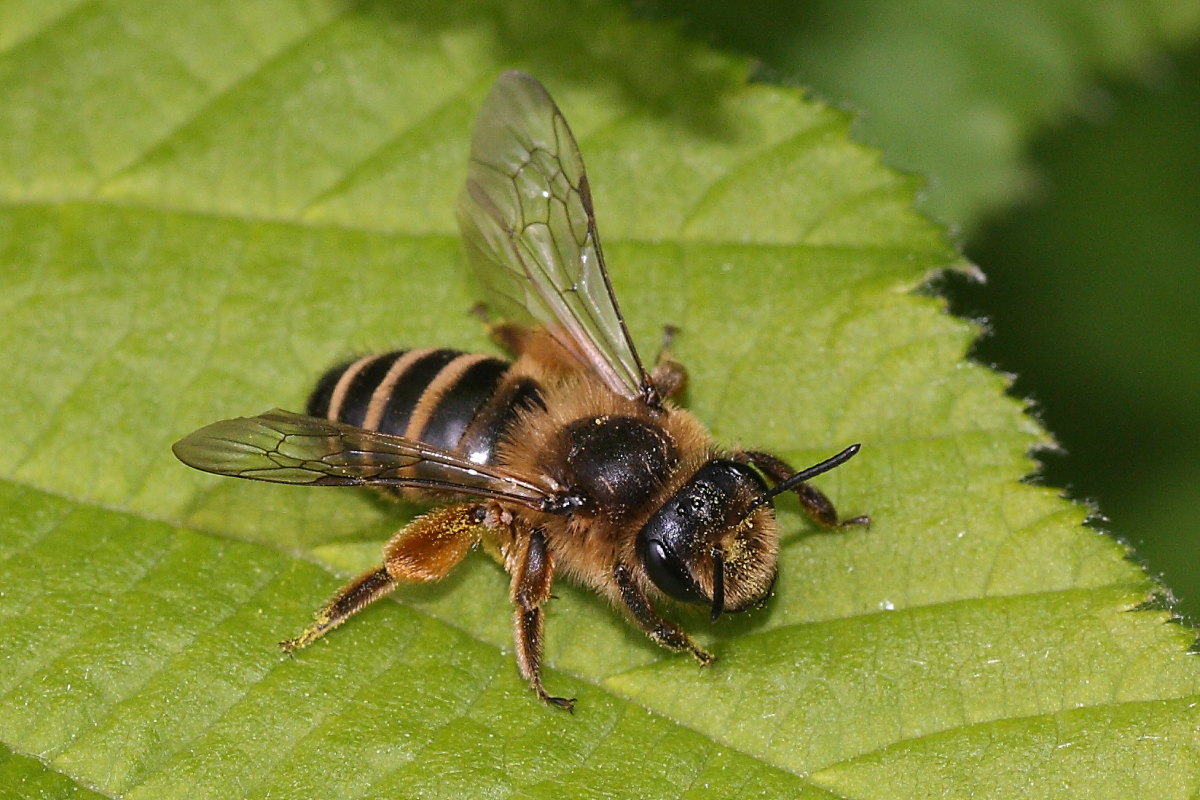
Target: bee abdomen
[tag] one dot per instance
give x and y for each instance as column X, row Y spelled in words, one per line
column 463, row 402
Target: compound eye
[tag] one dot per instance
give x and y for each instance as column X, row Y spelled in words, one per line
column 668, row 572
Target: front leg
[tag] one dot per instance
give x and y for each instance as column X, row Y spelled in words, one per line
column 819, row 507
column 532, row 573
column 661, row 630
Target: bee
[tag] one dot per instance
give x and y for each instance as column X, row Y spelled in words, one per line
column 572, row 459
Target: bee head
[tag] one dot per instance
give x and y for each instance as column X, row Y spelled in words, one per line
column 715, row 540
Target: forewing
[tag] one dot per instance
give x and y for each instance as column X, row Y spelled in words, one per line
column 283, row 447
column 527, row 222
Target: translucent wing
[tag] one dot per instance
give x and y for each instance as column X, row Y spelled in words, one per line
column 527, row 221
column 283, row 447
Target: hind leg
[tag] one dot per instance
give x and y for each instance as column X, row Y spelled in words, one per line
column 425, row 550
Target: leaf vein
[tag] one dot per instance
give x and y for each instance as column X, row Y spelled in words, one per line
column 984, row 725
column 50, row 24
column 748, row 159
column 257, row 69
column 351, row 172
column 343, row 226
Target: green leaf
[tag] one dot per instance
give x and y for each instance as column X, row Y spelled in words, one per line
column 26, row 777
column 203, row 206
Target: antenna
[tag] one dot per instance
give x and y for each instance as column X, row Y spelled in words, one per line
column 816, row 469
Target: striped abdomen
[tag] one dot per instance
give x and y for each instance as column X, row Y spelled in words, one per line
column 463, row 402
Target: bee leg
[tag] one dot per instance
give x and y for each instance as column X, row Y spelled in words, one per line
column 523, row 341
column 662, row 631
column 425, row 550
column 818, row 507
column 513, row 337
column 668, row 376
column 532, row 573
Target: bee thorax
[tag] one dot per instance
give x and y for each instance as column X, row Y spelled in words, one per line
column 618, row 463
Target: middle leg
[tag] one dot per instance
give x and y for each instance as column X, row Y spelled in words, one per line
column 532, row 573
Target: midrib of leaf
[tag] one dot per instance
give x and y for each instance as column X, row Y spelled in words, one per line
column 446, row 238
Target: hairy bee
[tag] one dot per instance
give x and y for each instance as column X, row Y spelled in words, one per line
column 570, row 459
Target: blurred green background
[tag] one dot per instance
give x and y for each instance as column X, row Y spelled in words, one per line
column 1095, row 292
column 1061, row 142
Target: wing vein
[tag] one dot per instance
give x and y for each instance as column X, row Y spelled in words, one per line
column 529, row 227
